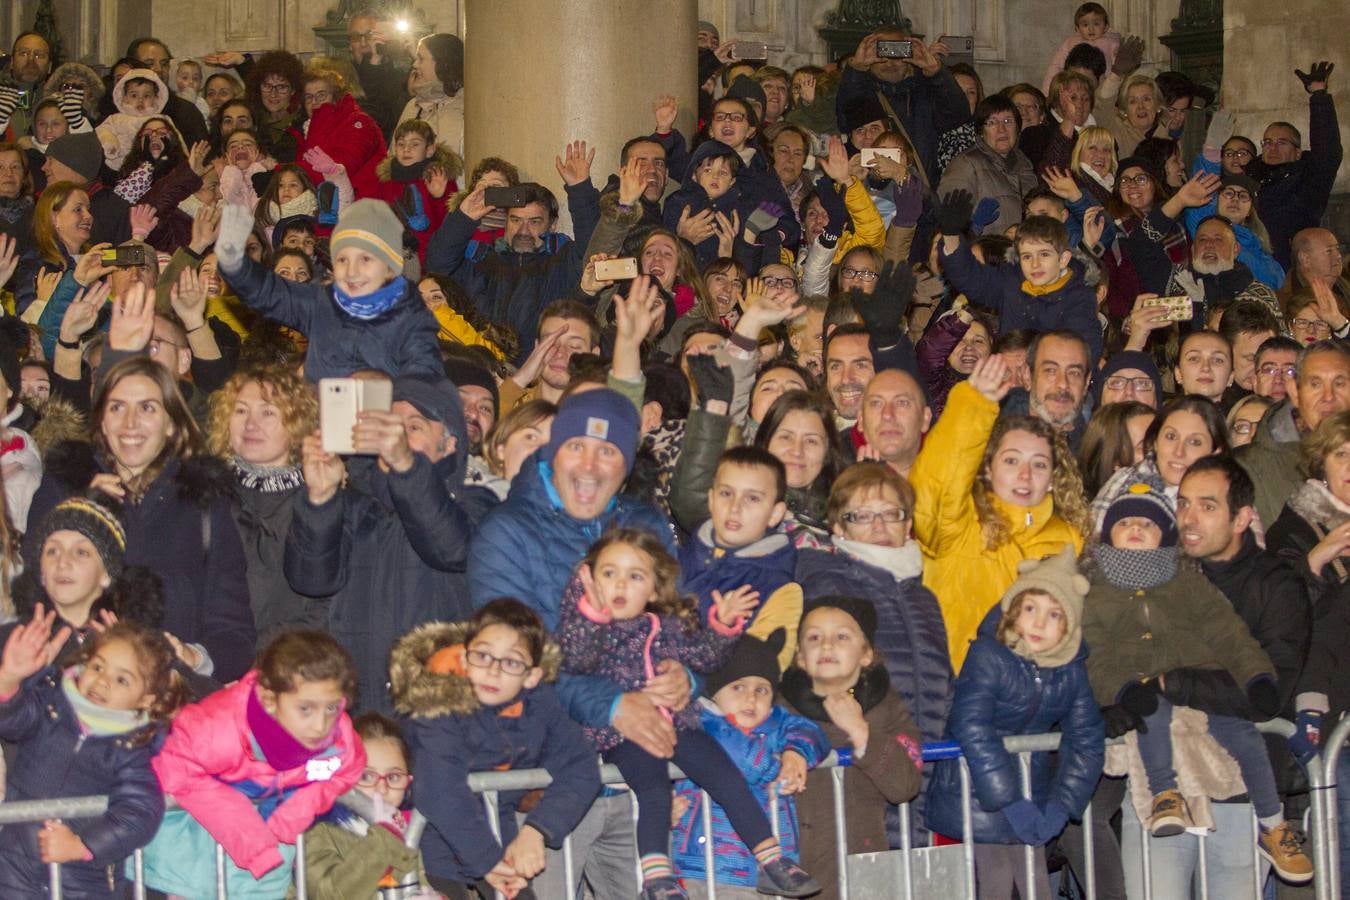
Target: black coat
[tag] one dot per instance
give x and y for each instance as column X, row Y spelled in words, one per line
column 183, row 531
column 54, row 759
column 1329, row 656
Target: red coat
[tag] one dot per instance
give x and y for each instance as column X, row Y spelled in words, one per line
column 348, row 134
column 391, row 192
column 210, row 748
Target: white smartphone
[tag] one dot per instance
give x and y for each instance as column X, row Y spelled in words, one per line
column 895, row 154
column 340, row 399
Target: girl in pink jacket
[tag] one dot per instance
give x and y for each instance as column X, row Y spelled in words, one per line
column 252, row 766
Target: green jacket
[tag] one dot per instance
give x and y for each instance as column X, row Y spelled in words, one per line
column 1136, row 635
column 1273, row 461
column 344, row 865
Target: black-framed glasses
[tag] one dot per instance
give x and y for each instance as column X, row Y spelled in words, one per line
column 482, row 660
column 728, row 117
column 890, row 516
column 1137, row 180
column 1314, row 324
column 786, row 281
column 1241, row 153
column 276, row 87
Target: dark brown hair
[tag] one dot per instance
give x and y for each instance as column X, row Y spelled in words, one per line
column 513, row 614
column 156, row 657
column 186, row 440
column 665, row 570
column 296, row 656
column 371, row 726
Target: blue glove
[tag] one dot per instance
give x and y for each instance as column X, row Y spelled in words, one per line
column 986, row 211
column 1055, row 818
column 1026, row 820
column 1307, row 737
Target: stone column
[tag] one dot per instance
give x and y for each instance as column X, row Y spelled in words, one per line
column 537, row 75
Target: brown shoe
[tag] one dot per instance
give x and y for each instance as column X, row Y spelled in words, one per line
column 1283, row 846
column 1170, row 815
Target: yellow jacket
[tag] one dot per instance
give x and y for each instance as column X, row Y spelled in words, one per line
column 967, row 578
column 455, row 329
column 868, row 230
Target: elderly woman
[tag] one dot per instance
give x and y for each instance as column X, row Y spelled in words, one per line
column 1313, row 530
column 994, row 170
column 1135, row 116
column 1051, row 142
column 437, row 86
column 1093, row 163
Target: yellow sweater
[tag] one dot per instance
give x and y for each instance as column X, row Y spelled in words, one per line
column 455, row 329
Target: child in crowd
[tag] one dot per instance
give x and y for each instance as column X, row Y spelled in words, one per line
column 771, row 746
column 479, row 696
column 370, row 317
column 742, row 544
column 1047, row 290
column 187, row 80
column 138, row 96
column 279, row 736
column 1024, row 675
column 621, row 617
column 1148, row 615
column 243, row 160
column 356, row 858
column 1091, row 25
column 79, row 732
column 713, row 185
column 416, row 178
column 289, row 192
column 838, row 681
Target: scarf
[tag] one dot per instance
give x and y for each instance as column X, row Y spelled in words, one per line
column 1107, row 181
column 99, row 721
column 871, row 688
column 901, row 563
column 267, row 479
column 305, row 205
column 372, row 305
column 400, row 172
column 279, row 748
column 430, row 93
column 190, row 205
column 137, row 184
column 1040, row 290
column 1136, row 569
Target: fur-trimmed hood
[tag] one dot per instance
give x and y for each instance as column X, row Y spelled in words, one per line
column 1082, row 265
column 120, row 89
column 425, row 695
column 59, row 421
column 443, row 157
column 199, row 481
column 1315, row 505
column 73, row 71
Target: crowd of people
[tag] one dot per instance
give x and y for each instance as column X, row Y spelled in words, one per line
column 881, row 411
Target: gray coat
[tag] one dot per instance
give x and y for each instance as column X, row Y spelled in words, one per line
column 986, row 174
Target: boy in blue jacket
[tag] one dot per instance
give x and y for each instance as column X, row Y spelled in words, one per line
column 742, row 543
column 712, row 183
column 477, row 698
column 1048, row 290
column 768, row 744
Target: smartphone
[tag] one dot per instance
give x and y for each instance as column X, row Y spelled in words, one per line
column 820, row 145
column 1179, row 309
column 124, row 257
column 962, row 44
column 894, row 154
column 340, row 399
column 616, row 269
column 751, row 50
column 895, row 49
column 508, row 197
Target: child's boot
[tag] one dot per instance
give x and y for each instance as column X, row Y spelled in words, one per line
column 784, row 878
column 1170, row 816
column 1283, row 846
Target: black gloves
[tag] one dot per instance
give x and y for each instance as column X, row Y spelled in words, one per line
column 1140, row 699
column 1265, row 700
column 953, row 213
column 1209, row 690
column 1120, row 720
column 711, row 381
column 884, row 309
column 1321, row 71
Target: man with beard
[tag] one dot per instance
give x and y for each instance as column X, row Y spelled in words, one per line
column 532, row 265
column 478, row 390
column 1058, row 373
column 1225, row 281
column 895, row 417
column 651, row 159
column 21, row 85
column 154, row 54
column 383, row 72
column 848, row 369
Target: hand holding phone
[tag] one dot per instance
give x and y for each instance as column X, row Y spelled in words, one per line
column 341, row 400
column 616, row 269
column 1179, row 309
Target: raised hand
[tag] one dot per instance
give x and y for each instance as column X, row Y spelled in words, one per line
column 90, row 268
column 320, row 161
column 205, row 228
column 866, row 54
column 1129, row 56
column 1316, row 79
column 188, row 299
column 30, row 648
column 697, row 227
column 733, row 606
column 46, row 284
column 726, row 229
column 1327, row 306
column 636, row 315
column 1220, row 129
column 632, row 182
column 764, row 308
column 991, row 377
column 1198, row 190
column 324, row 472
column 143, row 220
column 835, row 162
column 574, row 166
column 1094, row 225
column 133, row 319
column 664, row 110
column 534, row 363
column 474, row 205
column 713, row 381
column 236, row 221
column 437, row 180
column 82, row 313
column 9, row 258
column 383, row 434
column 807, row 87
column 954, row 212
column 1061, row 183
column 224, row 58
column 197, row 158
column 589, row 283
column 923, row 57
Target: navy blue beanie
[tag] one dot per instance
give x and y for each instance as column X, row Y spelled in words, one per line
column 604, row 414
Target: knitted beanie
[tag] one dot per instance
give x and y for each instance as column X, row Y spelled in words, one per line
column 604, row 414
column 466, row 374
column 91, row 515
column 746, row 88
column 860, row 609
column 1242, row 180
column 862, row 110
column 751, row 656
column 1143, row 501
column 371, row 225
column 1128, row 359
column 1057, row 576
column 80, row 152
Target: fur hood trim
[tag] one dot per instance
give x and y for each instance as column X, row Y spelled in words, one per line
column 424, row 695
column 609, row 208
column 1082, row 265
column 199, row 481
column 161, row 98
column 93, row 85
column 1316, row 506
column 60, row 421
column 443, row 157
column 454, row 200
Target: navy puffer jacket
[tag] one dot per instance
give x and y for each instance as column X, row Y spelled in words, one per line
column 1000, row 694
column 54, row 759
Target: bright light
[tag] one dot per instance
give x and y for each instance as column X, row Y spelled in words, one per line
column 401, row 25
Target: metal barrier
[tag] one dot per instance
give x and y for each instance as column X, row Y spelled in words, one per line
column 1322, row 831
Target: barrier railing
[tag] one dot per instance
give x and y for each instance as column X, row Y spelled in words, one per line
column 1322, row 829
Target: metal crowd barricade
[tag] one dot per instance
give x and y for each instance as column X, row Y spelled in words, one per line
column 871, row 872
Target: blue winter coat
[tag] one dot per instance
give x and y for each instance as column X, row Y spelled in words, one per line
column 400, row 342
column 1262, row 263
column 54, row 759
column 766, row 565
column 1000, row 694
column 741, row 199
column 757, row 755
column 528, row 548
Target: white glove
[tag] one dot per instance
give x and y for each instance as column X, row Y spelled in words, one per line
column 1220, row 129
column 235, row 224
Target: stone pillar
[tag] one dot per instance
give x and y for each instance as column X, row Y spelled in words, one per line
column 537, row 75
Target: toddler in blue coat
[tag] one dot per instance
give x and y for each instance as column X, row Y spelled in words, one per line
column 1025, row 674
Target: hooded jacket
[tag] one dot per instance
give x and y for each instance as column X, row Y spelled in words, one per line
column 55, row 758
column 737, row 201
column 1273, row 460
column 452, row 734
column 529, row 546
column 94, row 88
column 967, row 578
column 181, row 530
column 421, row 212
column 392, row 557
column 117, row 132
column 351, row 137
column 999, row 694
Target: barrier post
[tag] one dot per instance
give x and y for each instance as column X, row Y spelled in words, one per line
column 967, row 844
column 220, row 873
column 494, row 823
column 138, row 872
column 709, row 857
column 840, row 829
column 1089, row 854
column 1029, row 852
column 54, row 880
column 1331, row 836
column 301, row 870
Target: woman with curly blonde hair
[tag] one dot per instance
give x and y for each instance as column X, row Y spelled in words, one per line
column 258, row 421
column 990, row 492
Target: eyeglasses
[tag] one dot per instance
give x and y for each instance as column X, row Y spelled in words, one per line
column 1237, row 154
column 481, row 660
column 394, row 779
column 1243, row 427
column 786, row 282
column 1270, row 370
column 1136, row 180
column 861, row 274
column 1235, row 195
column 1315, row 324
column 160, row 133
column 1277, row 142
column 319, row 97
column 277, row 87
column 1141, row 385
column 728, row 117
column 157, row 345
column 1006, row 122
column 868, row 516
